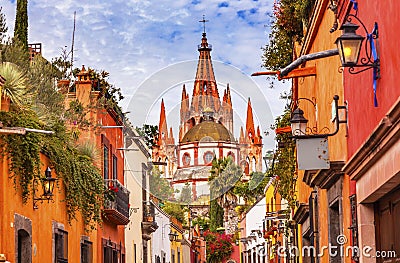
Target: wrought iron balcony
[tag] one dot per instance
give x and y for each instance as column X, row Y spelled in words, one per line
column 117, row 210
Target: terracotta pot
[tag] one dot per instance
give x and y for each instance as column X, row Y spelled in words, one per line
column 5, row 103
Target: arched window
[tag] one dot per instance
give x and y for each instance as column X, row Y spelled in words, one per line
column 253, row 164
column 186, row 159
column 232, row 155
column 247, row 166
column 208, row 157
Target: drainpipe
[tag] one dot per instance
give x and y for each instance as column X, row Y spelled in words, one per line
column 308, row 57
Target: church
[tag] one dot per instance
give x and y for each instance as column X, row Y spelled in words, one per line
column 205, row 131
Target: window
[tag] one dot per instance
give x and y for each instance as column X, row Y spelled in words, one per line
column 61, row 246
column 186, row 159
column 86, row 251
column 208, row 157
column 134, row 253
column 115, row 170
column 105, row 162
column 231, row 155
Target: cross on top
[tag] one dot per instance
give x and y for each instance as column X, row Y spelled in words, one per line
column 204, row 23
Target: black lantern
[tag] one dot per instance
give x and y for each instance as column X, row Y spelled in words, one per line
column 349, row 44
column 298, row 122
column 172, row 236
column 48, row 183
column 47, row 188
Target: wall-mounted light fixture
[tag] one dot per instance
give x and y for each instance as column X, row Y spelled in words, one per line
column 350, row 43
column 258, row 232
column 299, row 123
column 133, row 210
column 172, row 236
column 47, row 188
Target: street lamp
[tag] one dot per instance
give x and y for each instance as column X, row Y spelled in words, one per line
column 172, row 236
column 47, row 188
column 298, row 123
column 349, row 45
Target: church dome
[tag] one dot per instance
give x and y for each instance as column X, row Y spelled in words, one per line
column 208, row 131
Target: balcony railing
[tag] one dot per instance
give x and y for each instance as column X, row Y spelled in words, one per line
column 117, row 210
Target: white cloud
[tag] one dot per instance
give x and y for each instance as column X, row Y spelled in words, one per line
column 132, row 39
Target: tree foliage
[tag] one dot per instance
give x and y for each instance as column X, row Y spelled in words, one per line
column 159, row 186
column 149, row 133
column 21, row 23
column 3, row 25
column 285, row 161
column 288, row 21
column 186, row 194
column 175, row 210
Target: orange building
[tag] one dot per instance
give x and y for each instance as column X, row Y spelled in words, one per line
column 109, row 140
column 39, row 231
column 322, row 211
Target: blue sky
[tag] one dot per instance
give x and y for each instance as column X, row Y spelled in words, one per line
column 135, row 39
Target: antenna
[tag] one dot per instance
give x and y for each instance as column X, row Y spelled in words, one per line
column 73, row 40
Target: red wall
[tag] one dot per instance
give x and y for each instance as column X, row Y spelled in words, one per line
column 363, row 117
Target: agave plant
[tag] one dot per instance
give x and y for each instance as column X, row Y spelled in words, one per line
column 15, row 86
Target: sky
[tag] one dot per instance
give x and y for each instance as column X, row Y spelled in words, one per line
column 150, row 49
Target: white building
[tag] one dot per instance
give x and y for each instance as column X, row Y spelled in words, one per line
column 160, row 244
column 136, row 158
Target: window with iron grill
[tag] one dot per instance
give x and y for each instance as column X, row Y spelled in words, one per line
column 61, row 246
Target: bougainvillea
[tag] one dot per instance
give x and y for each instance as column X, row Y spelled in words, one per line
column 219, row 246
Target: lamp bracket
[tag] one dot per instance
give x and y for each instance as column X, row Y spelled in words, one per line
column 325, row 132
column 133, row 210
column 369, row 61
column 37, row 199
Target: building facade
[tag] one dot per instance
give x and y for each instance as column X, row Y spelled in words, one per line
column 205, row 132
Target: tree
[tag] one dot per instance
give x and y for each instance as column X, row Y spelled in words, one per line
column 186, row 195
column 149, row 133
column 159, row 186
column 3, row 25
column 175, row 210
column 224, row 175
column 21, row 23
column 216, row 216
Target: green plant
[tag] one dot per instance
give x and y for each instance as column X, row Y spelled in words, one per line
column 285, row 161
column 149, row 133
column 21, row 22
column 186, row 194
column 159, row 186
column 175, row 210
column 15, row 86
column 3, row 25
column 23, row 152
column 288, row 19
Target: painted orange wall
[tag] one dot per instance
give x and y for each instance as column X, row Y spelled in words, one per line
column 321, row 88
column 41, row 219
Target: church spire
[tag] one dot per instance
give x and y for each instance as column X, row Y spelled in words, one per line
column 162, row 126
column 250, row 132
column 205, row 86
